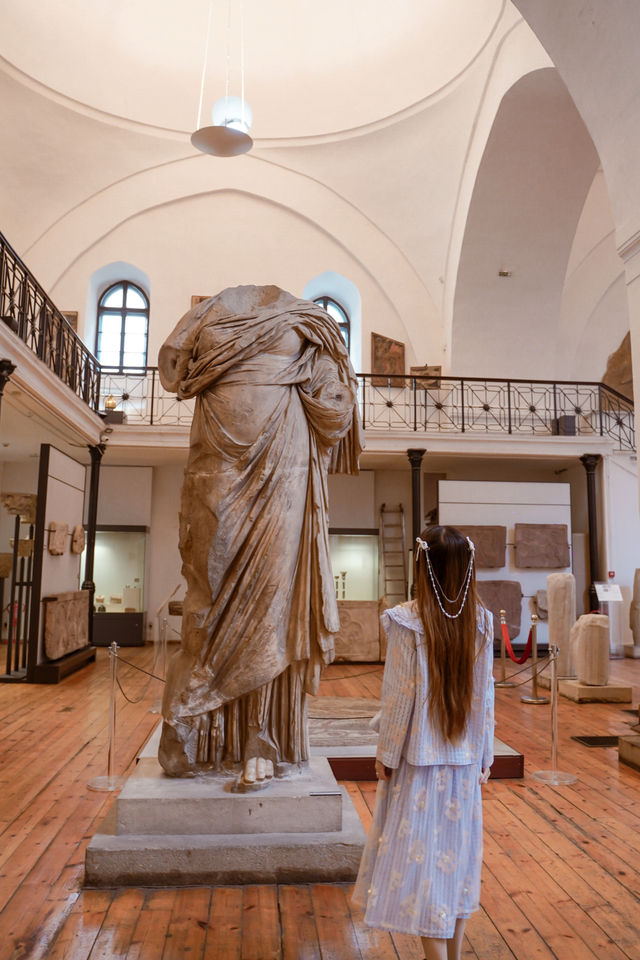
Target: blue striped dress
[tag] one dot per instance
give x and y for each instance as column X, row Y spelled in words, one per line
column 420, row 870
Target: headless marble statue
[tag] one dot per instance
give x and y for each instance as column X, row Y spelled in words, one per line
column 275, row 412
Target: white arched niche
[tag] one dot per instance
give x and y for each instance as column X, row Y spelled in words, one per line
column 99, row 281
column 334, row 285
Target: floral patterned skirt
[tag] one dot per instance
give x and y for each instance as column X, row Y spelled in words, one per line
column 421, row 865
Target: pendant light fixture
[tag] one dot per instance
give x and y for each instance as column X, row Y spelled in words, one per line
column 228, row 135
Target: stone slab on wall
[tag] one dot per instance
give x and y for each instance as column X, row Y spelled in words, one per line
column 490, row 543
column 66, row 623
column 542, row 545
column 500, row 595
column 359, row 636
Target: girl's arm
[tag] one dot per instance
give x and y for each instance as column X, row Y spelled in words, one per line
column 398, row 692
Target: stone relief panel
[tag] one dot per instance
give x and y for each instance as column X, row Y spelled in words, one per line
column 20, row 504
column 358, row 639
column 77, row 539
column 490, row 543
column 66, row 623
column 57, row 543
column 541, row 545
column 500, row 595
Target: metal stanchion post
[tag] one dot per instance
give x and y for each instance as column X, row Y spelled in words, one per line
column 110, row 782
column 535, row 696
column 503, row 682
column 554, row 776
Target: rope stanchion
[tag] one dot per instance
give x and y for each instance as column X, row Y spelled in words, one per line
column 535, row 696
column 110, row 782
column 507, row 642
column 502, row 681
column 554, row 776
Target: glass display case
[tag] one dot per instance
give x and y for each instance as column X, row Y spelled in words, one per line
column 354, row 562
column 118, row 603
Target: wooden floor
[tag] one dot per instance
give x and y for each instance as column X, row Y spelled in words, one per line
column 561, row 868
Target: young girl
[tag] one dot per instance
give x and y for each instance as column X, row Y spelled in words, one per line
column 420, row 871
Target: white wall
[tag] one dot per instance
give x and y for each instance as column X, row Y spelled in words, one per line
column 164, row 555
column 505, row 504
column 352, row 501
column 620, row 551
column 124, row 496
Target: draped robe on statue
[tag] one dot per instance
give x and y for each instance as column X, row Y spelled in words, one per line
column 275, row 411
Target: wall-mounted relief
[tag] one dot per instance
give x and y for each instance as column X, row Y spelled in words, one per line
column 387, row 359
column 490, row 543
column 427, row 377
column 541, row 545
column 22, row 505
column 57, row 542
column 542, row 605
column 504, row 595
column 66, row 623
column 77, row 539
column 6, row 565
column 25, row 547
column 195, row 299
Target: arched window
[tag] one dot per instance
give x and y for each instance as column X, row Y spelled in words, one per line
column 339, row 314
column 123, row 326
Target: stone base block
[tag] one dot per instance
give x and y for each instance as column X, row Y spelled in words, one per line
column 152, row 803
column 586, row 693
column 632, row 651
column 544, row 679
column 182, row 859
column 629, row 750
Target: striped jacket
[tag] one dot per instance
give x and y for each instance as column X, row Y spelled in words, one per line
column 405, row 729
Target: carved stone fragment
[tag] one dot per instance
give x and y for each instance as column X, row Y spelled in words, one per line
column 490, row 543
column 561, row 599
column 66, row 623
column 77, row 539
column 358, row 639
column 500, row 595
column 22, row 505
column 25, row 547
column 542, row 604
column 543, row 545
column 590, row 648
column 6, row 565
column 57, row 543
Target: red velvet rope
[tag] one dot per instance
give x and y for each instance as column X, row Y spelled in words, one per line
column 527, row 650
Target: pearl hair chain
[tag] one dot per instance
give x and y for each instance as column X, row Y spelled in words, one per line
column 437, row 588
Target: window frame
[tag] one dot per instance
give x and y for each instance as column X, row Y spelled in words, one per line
column 122, row 312
column 323, row 302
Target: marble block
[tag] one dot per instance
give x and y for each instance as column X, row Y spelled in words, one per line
column 152, row 803
column 561, row 605
column 589, row 640
column 587, row 693
column 153, row 841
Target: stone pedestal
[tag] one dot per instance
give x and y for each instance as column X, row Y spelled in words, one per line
column 588, row 693
column 629, row 750
column 171, row 831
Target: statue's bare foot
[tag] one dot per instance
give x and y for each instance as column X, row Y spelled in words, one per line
column 256, row 775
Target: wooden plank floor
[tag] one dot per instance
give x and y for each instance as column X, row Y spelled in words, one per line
column 561, row 868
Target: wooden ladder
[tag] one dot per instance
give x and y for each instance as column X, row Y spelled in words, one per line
column 394, row 564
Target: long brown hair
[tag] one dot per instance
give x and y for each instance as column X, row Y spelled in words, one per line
column 450, row 643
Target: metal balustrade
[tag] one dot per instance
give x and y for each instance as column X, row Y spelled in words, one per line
column 32, row 315
column 443, row 404
column 469, row 405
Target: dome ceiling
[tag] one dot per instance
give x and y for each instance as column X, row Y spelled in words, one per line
column 311, row 69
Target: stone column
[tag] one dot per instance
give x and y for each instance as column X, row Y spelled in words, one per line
column 590, row 461
column 92, row 518
column 6, row 369
column 415, row 459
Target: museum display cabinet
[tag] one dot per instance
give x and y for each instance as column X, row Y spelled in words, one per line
column 355, row 567
column 119, row 569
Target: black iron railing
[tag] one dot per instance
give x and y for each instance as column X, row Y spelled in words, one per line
column 469, row 405
column 32, row 315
